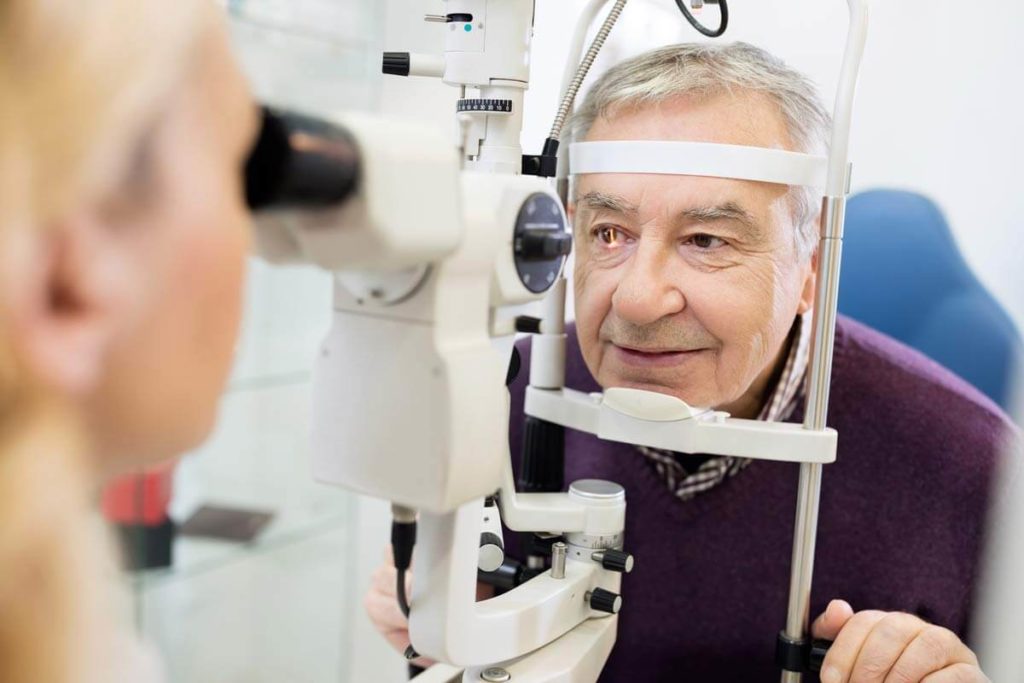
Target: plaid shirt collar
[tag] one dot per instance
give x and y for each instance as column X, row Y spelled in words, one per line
column 779, row 407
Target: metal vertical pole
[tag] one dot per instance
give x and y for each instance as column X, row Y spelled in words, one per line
column 819, row 376
column 825, row 310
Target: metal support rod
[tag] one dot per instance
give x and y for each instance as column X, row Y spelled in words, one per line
column 818, row 379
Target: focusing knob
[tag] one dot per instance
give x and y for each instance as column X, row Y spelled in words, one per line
column 540, row 241
column 543, row 245
column 604, row 601
column 491, row 553
column 614, row 560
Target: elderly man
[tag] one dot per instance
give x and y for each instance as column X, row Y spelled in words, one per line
column 700, row 288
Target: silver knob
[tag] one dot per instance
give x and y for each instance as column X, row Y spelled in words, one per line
column 495, row 674
column 558, row 552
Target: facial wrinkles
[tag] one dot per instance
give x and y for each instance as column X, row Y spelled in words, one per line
column 668, row 333
column 654, row 250
column 775, row 280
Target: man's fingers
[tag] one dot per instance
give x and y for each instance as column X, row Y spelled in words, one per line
column 399, row 640
column 384, row 613
column 484, row 591
column 381, row 604
column 385, row 579
column 839, row 661
column 932, row 650
column 884, row 645
column 958, row 673
column 831, row 621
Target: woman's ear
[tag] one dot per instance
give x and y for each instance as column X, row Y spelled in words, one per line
column 70, row 302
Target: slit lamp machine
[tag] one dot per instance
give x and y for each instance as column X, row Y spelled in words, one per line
column 430, row 290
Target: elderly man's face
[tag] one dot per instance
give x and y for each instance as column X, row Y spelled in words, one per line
column 686, row 285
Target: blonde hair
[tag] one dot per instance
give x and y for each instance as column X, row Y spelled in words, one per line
column 79, row 82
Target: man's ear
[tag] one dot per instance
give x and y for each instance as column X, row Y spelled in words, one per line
column 809, row 286
column 67, row 306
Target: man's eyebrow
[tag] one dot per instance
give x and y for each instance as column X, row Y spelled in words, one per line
column 609, row 202
column 729, row 211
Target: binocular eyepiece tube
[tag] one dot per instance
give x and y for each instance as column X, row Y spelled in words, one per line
column 300, row 162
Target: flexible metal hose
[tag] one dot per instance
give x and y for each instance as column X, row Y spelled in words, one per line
column 584, row 68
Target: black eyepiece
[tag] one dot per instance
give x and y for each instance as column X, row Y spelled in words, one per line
column 300, row 161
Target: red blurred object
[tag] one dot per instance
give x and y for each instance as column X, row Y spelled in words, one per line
column 139, row 499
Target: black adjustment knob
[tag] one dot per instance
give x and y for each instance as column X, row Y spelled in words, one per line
column 604, row 601
column 819, row 648
column 540, row 241
column 397, row 63
column 528, row 324
column 543, row 245
column 614, row 560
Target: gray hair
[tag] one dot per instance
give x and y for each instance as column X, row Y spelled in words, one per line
column 706, row 70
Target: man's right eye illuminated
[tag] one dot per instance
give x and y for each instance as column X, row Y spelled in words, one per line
column 609, row 235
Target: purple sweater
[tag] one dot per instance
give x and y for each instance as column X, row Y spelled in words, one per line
column 902, row 514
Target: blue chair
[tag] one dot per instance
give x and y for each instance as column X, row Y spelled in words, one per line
column 903, row 274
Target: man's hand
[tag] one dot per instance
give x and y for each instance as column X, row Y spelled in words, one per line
column 891, row 647
column 381, row 604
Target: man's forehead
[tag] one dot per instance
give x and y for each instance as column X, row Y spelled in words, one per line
column 642, row 193
column 739, row 117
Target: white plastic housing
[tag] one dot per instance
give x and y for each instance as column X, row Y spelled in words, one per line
column 446, row 623
column 660, row 421
column 374, row 230
column 409, row 402
column 495, row 48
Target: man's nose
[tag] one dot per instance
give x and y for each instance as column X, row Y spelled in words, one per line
column 646, row 292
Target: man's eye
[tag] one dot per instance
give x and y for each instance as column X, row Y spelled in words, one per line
column 609, row 235
column 705, row 241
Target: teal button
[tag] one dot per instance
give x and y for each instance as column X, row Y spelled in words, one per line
column 468, row 28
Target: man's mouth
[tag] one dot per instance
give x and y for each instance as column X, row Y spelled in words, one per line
column 653, row 357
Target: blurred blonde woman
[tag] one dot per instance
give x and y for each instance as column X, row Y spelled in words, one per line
column 123, row 128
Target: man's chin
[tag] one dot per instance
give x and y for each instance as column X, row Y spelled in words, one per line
column 687, row 396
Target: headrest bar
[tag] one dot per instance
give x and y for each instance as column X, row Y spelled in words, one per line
column 700, row 159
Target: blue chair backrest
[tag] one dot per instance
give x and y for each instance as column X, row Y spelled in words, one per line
column 903, row 275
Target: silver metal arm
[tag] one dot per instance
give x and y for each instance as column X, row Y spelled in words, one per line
column 825, row 312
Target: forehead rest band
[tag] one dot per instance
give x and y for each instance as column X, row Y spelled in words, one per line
column 698, row 159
